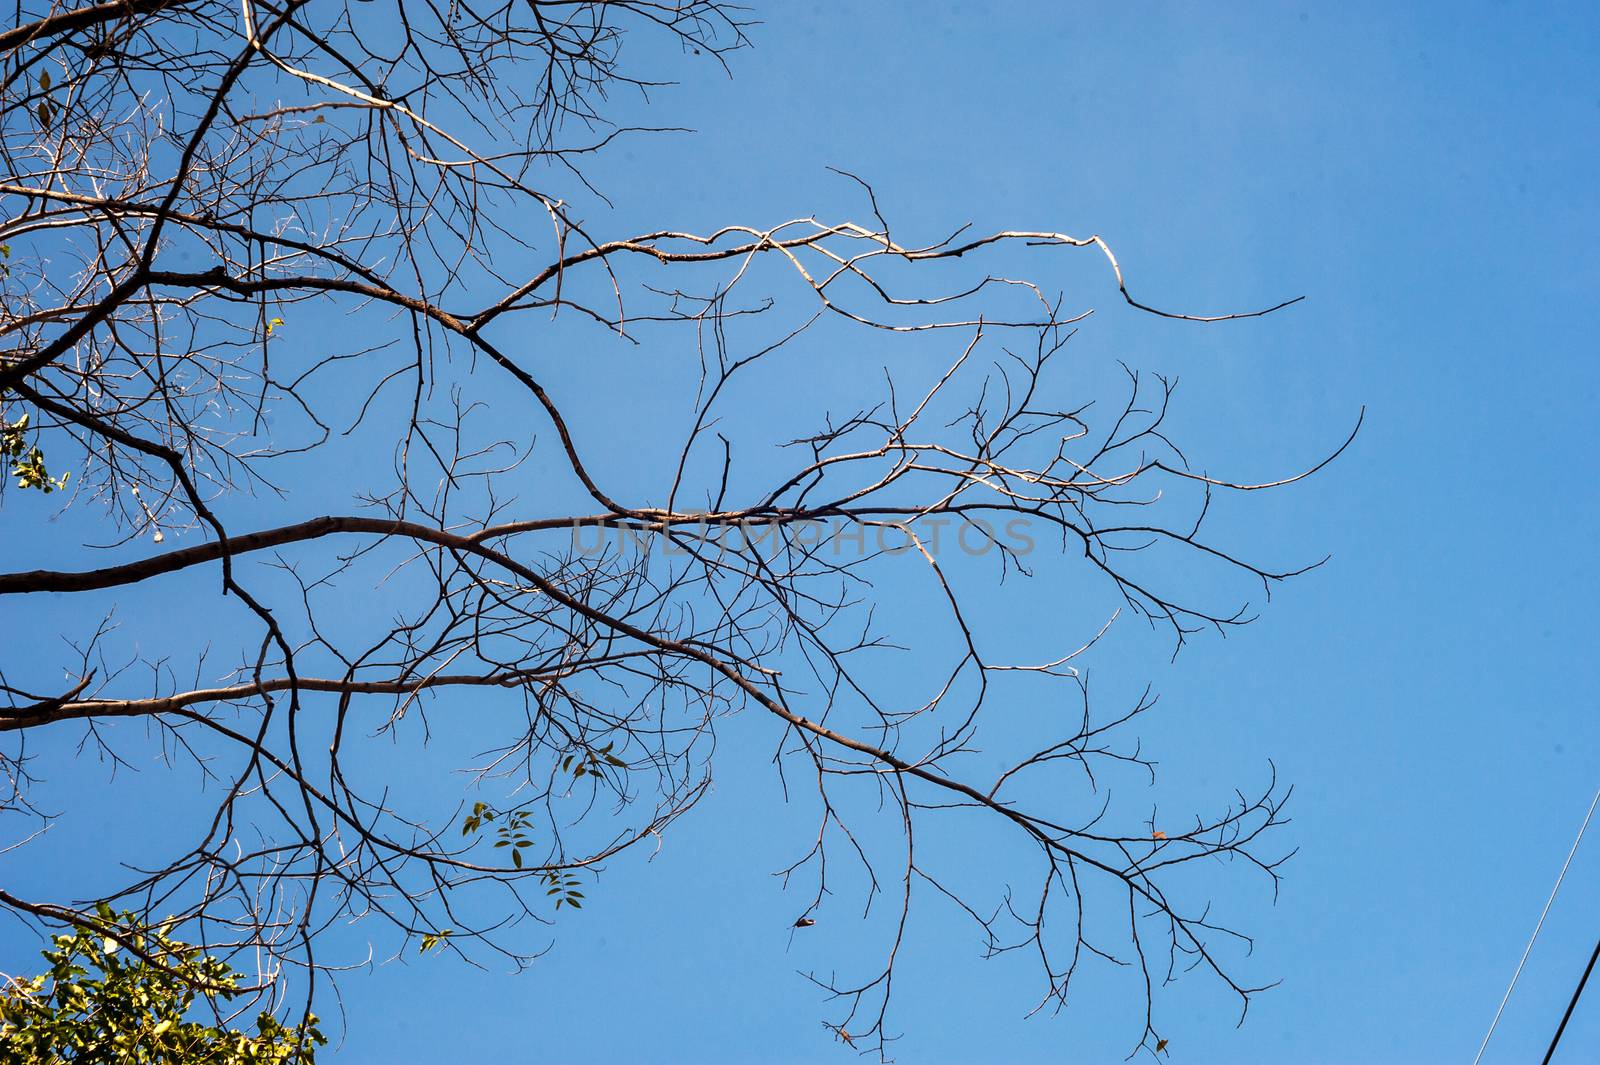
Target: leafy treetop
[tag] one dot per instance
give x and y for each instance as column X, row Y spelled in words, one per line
column 102, row 1003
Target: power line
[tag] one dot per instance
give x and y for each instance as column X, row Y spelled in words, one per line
column 1567, row 1016
column 1544, row 913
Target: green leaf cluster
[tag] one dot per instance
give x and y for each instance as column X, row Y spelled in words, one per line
column 586, row 762
column 435, row 940
column 126, row 999
column 25, row 459
column 564, row 886
column 512, row 829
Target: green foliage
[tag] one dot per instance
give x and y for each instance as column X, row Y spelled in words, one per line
column 587, row 762
column 512, row 830
column 125, row 1000
column 564, row 886
column 435, row 940
column 26, row 460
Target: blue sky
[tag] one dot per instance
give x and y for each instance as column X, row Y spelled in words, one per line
column 1425, row 178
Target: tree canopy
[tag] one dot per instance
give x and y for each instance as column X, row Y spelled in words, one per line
column 130, row 997
column 313, row 320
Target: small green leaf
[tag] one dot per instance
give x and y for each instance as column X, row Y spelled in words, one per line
column 44, row 81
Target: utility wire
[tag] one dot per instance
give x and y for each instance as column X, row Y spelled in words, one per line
column 1542, row 915
column 1567, row 1016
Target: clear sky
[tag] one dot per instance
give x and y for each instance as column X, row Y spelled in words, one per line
column 1425, row 175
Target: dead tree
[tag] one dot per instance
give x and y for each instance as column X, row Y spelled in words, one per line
column 189, row 185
